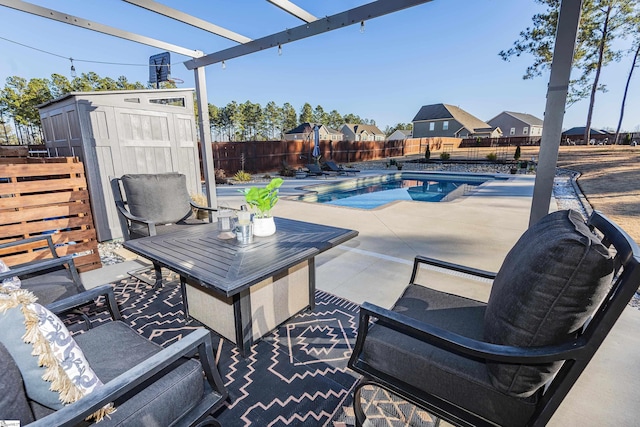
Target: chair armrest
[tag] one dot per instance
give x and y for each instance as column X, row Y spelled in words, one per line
column 207, row 208
column 151, row 225
column 86, row 297
column 204, row 208
column 21, row 242
column 199, row 340
column 35, row 267
column 449, row 266
column 457, row 343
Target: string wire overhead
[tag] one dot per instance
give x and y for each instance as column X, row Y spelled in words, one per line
column 78, row 60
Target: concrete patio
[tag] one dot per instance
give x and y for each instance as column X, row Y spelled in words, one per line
column 477, row 231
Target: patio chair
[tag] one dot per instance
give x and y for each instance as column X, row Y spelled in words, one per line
column 147, row 385
column 314, row 170
column 512, row 360
column 340, row 170
column 50, row 277
column 152, row 204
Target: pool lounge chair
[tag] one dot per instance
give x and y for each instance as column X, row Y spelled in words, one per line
column 339, row 169
column 314, row 170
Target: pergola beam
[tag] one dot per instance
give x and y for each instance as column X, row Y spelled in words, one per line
column 323, row 25
column 95, row 26
column 189, row 19
column 294, row 10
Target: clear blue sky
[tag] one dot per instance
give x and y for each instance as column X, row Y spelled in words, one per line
column 443, row 51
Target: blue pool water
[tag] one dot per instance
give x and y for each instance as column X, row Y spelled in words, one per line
column 372, row 192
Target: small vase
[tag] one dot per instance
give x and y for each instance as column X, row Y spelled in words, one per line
column 263, row 227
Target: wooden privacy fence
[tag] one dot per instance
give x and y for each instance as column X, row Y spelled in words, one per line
column 47, row 196
column 500, row 142
column 266, row 156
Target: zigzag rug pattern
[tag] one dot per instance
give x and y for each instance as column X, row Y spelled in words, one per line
column 295, row 376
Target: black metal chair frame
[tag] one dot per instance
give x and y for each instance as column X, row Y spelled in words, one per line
column 34, row 267
column 199, row 341
column 576, row 353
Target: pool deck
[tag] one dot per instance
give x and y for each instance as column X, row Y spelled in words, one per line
column 477, row 231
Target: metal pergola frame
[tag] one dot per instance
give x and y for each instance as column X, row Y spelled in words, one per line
column 556, row 92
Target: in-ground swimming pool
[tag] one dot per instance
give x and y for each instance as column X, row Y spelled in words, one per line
column 372, row 192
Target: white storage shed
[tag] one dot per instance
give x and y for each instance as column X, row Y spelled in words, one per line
column 120, row 132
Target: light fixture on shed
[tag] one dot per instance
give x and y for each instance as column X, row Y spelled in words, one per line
column 224, row 66
column 279, row 49
column 362, row 26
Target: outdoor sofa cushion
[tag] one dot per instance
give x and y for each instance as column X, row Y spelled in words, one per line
column 440, row 372
column 548, row 286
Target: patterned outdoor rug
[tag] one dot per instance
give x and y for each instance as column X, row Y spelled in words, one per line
column 295, row 376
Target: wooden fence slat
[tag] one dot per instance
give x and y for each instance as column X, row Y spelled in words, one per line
column 43, row 169
column 41, row 186
column 31, row 200
column 34, row 214
column 44, row 227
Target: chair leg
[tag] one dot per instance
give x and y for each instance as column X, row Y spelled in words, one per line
column 156, row 283
column 158, row 270
column 209, row 421
column 357, row 403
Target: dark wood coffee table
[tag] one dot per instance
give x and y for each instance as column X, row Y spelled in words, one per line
column 243, row 292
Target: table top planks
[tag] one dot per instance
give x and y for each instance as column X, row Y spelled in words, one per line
column 228, row 267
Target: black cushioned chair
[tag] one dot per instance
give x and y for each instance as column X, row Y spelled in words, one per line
column 511, row 361
column 155, row 203
column 50, row 277
column 149, row 385
column 151, row 204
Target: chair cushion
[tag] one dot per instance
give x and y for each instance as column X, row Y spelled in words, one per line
column 47, row 285
column 52, row 285
column 432, row 370
column 549, row 284
column 161, row 198
column 53, row 367
column 13, row 400
column 137, row 231
column 157, row 403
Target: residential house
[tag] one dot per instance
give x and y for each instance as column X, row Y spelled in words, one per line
column 443, row 120
column 399, row 135
column 305, row 132
column 576, row 135
column 517, row 124
column 359, row 132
